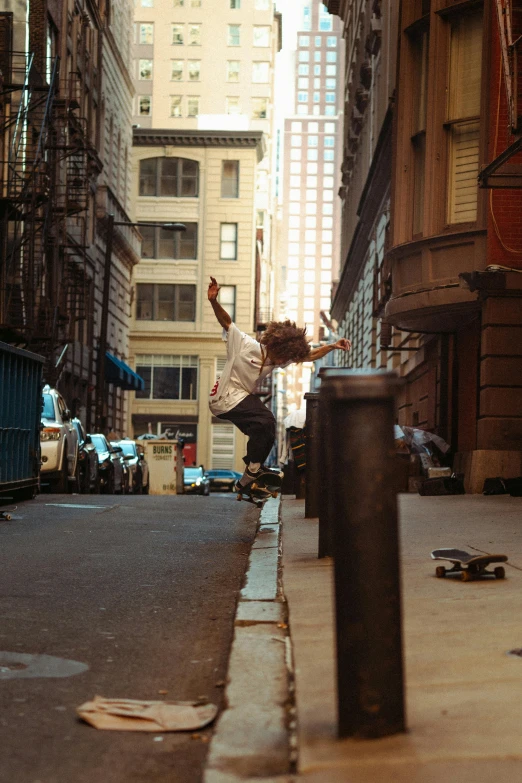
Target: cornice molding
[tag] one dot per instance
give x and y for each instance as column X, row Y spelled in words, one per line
column 146, row 137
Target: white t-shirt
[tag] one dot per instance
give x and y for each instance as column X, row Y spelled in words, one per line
column 241, row 373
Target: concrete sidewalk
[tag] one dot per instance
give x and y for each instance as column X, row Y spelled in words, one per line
column 464, row 693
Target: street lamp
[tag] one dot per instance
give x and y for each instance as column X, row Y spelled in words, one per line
column 102, row 346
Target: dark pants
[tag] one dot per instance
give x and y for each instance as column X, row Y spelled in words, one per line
column 258, row 423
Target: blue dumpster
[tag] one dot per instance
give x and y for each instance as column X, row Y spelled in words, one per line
column 20, row 416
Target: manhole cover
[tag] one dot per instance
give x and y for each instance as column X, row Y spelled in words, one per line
column 517, row 652
column 14, row 665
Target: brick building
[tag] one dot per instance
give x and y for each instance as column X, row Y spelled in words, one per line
column 66, row 138
column 442, row 303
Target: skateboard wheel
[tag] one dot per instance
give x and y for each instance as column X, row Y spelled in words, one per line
column 466, row 576
column 500, row 572
column 440, row 571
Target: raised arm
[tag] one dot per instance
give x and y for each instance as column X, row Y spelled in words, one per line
column 343, row 345
column 223, row 317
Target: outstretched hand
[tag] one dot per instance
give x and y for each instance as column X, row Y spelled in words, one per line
column 213, row 289
column 343, row 344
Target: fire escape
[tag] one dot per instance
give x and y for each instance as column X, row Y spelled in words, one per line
column 46, row 165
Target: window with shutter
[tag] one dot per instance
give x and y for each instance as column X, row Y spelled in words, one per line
column 463, row 117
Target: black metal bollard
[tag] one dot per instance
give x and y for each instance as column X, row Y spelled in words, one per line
column 362, row 490
column 324, row 547
column 312, row 436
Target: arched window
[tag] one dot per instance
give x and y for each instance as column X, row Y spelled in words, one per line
column 169, row 177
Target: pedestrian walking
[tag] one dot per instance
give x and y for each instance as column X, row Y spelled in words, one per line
column 233, row 396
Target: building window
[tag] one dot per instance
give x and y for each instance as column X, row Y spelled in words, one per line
column 235, row 4
column 331, row 70
column 329, row 97
column 296, row 140
column 147, row 3
column 304, row 56
column 194, row 35
column 160, row 242
column 302, row 97
column 329, row 141
column 227, row 299
column 295, row 154
column 175, row 105
column 418, row 139
column 331, row 40
column 316, row 97
column 179, row 3
column 331, row 57
column 232, row 70
column 463, row 117
column 262, row 5
column 177, row 34
column 168, row 377
column 329, row 112
column 303, row 83
column 304, row 40
column 232, row 105
column 228, row 242
column 317, row 57
column 303, row 70
column 146, row 33
column 259, row 108
column 330, row 84
column 313, row 141
column 145, row 106
column 170, row 177
column 194, row 70
column 311, row 154
column 192, row 106
column 230, row 179
column 296, row 126
column 195, row 3
column 158, row 302
column 176, row 70
column 234, row 35
column 261, row 36
column 260, row 72
column 145, row 70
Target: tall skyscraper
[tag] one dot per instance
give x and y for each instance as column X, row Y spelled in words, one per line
column 312, row 155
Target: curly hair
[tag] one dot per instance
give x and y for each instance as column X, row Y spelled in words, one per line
column 286, row 341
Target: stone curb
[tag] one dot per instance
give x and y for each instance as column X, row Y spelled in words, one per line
column 251, row 739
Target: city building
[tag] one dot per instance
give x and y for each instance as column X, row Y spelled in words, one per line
column 206, row 181
column 203, row 152
column 64, row 73
column 311, row 210
column 441, row 301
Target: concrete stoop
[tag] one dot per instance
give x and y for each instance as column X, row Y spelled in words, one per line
column 251, row 740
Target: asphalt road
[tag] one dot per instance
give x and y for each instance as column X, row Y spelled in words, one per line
column 143, row 591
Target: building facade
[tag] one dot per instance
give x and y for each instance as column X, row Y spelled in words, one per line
column 64, row 69
column 207, row 181
column 209, row 65
column 443, row 296
column 310, row 244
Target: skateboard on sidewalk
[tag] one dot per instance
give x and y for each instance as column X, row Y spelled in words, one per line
column 469, row 565
column 6, row 513
column 261, row 489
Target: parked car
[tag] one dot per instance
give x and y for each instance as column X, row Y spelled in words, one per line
column 89, row 473
column 58, row 442
column 221, row 479
column 195, row 481
column 137, row 465
column 113, row 471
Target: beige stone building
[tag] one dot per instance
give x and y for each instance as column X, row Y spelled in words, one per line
column 206, row 180
column 209, row 65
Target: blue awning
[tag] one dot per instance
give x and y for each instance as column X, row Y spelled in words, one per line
column 120, row 374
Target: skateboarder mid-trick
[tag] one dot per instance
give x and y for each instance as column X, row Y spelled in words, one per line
column 248, row 362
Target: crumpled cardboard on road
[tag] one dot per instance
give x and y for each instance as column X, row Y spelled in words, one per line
column 134, row 715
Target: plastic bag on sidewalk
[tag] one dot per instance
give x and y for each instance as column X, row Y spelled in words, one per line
column 134, row 715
